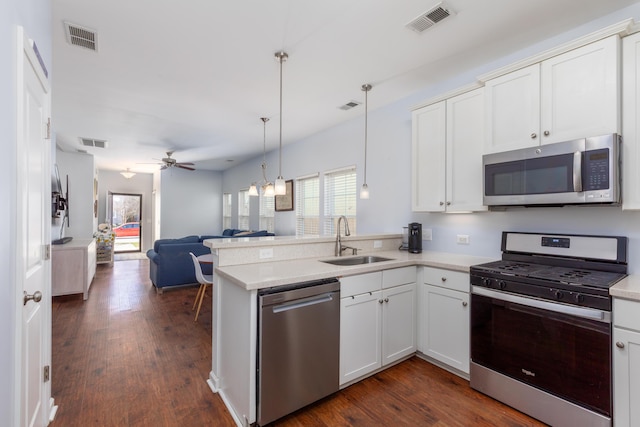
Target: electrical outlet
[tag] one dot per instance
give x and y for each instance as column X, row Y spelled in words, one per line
column 377, row 244
column 462, row 239
column 427, row 234
column 266, row 253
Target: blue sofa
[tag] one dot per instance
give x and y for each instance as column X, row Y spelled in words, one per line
column 171, row 265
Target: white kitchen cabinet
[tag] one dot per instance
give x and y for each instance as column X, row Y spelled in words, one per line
column 631, row 121
column 428, row 158
column 572, row 95
column 377, row 321
column 447, row 147
column 626, row 363
column 445, row 312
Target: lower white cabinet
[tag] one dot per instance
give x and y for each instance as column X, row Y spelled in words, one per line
column 626, row 363
column 444, row 317
column 73, row 266
column 377, row 321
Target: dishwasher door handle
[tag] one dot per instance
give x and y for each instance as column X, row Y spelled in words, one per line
column 293, row 305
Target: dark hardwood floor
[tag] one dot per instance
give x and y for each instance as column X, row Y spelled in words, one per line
column 130, row 357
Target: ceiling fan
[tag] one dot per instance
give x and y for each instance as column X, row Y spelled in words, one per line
column 170, row 162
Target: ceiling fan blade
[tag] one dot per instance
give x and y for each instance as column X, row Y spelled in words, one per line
column 182, row 166
column 185, row 163
column 163, row 167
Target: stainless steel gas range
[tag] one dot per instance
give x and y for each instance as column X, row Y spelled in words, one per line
column 541, row 325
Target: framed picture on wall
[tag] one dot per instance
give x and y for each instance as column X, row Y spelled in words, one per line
column 285, row 202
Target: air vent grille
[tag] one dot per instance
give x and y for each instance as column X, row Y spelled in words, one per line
column 79, row 36
column 429, row 18
column 90, row 142
column 349, row 105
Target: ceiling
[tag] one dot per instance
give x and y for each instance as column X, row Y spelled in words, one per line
column 195, row 76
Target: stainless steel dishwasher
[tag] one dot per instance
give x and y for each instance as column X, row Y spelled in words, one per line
column 298, row 347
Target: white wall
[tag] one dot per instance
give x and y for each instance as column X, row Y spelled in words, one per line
column 140, row 183
column 388, row 173
column 35, row 17
column 191, row 203
column 79, row 168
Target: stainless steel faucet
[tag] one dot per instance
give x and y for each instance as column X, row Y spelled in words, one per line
column 339, row 246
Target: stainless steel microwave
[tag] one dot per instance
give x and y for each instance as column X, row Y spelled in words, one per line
column 582, row 171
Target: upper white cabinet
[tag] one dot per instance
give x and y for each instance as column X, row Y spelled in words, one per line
column 447, row 150
column 631, row 121
column 568, row 96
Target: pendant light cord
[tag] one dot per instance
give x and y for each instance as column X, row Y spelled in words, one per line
column 282, row 56
column 366, row 109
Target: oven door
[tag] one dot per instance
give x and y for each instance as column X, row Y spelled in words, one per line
column 562, row 350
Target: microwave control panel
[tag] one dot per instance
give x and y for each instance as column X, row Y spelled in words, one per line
column 596, row 170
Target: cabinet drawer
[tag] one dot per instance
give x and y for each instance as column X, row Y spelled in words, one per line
column 398, row 276
column 360, row 284
column 626, row 314
column 447, row 279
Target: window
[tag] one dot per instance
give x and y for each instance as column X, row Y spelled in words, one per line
column 267, row 210
column 243, row 209
column 308, row 205
column 340, row 195
column 226, row 211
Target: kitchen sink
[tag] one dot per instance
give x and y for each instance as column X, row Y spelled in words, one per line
column 357, row 260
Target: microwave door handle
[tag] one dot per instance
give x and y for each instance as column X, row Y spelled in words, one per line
column 577, row 171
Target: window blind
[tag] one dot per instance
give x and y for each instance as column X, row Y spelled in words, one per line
column 267, row 213
column 307, row 205
column 226, row 211
column 340, row 196
column 243, row 209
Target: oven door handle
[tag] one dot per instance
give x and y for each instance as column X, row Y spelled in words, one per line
column 587, row 313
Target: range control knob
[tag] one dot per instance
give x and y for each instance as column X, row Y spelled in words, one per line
column 502, row 284
column 559, row 294
column 486, row 282
column 579, row 298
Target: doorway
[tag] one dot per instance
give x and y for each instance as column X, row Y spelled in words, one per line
column 125, row 211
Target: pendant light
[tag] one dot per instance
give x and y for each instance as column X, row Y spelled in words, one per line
column 267, row 186
column 281, row 187
column 364, row 191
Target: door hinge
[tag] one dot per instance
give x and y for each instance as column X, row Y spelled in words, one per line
column 47, row 373
column 48, row 128
column 47, row 251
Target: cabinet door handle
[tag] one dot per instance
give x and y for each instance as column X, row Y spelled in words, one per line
column 441, row 203
column 546, row 133
column 620, row 344
column 448, row 203
column 464, row 303
column 444, row 279
column 380, row 301
column 386, row 300
column 534, row 135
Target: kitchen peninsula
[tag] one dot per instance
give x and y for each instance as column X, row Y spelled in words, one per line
column 243, row 266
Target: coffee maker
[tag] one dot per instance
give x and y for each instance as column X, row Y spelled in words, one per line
column 415, row 238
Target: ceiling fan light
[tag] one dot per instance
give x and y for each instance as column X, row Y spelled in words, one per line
column 281, row 186
column 128, row 174
column 253, row 190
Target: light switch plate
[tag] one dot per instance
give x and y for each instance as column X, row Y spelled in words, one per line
column 427, row 234
column 462, row 239
column 377, row 244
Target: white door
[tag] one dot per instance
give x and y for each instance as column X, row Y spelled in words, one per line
column 33, row 236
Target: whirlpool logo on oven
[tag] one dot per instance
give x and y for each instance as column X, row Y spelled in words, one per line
column 528, row 373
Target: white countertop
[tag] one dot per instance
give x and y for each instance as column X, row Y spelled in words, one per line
column 628, row 288
column 277, row 273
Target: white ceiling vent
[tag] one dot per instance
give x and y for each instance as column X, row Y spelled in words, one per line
column 80, row 36
column 97, row 143
column 349, row 105
column 429, row 18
